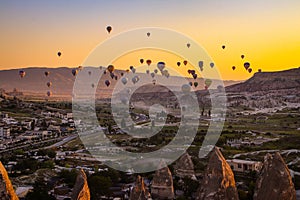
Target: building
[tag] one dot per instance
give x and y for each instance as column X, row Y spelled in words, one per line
column 244, row 165
column 4, row 132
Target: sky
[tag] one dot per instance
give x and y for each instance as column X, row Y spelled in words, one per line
column 266, row 32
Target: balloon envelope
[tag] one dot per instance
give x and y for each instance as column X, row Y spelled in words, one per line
column 108, row 28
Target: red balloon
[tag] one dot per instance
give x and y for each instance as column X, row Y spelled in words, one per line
column 185, row 62
column 148, row 62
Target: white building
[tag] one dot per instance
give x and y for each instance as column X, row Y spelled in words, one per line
column 244, row 165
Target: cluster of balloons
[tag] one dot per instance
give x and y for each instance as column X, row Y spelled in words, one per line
column 49, row 83
column 246, row 64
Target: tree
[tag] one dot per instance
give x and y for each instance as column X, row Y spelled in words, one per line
column 99, row 186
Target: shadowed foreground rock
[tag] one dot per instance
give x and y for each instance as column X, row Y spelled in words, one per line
column 140, row 192
column 218, row 182
column 184, row 166
column 6, row 189
column 162, row 184
column 275, row 181
column 81, row 189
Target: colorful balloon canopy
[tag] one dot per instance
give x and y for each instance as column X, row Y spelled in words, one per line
column 246, row 65
column 49, row 84
column 22, row 73
column 74, row 72
column 107, row 83
column 148, row 62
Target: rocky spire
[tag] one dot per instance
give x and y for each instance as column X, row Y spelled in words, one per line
column 184, row 166
column 218, row 182
column 6, row 189
column 162, row 184
column 81, row 189
column 139, row 192
column 275, row 181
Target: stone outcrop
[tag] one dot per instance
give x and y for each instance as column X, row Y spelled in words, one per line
column 184, row 166
column 218, row 182
column 6, row 189
column 81, row 189
column 162, row 184
column 140, row 192
column 275, row 181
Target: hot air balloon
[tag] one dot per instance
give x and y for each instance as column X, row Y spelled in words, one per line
column 148, row 62
column 242, row 56
column 80, row 67
column 124, row 80
column 208, row 82
column 147, row 71
column 212, row 64
column 185, row 62
column 223, row 46
column 246, row 65
column 152, row 74
column 191, row 83
column 90, row 73
column 49, row 84
column 104, row 72
column 233, row 67
column 161, row 65
column 107, row 83
column 110, row 68
column 259, row 70
column 195, row 84
column 116, row 77
column 185, row 88
column 112, row 75
column 195, row 76
column 127, row 70
column 188, row 45
column 153, row 81
column 59, row 54
column 148, row 34
column 108, row 28
column 49, row 93
column 93, row 85
column 74, row 72
column 47, row 73
column 122, row 73
column 22, row 73
column 200, row 63
column 249, row 70
column 141, row 60
column 155, row 71
column 178, row 64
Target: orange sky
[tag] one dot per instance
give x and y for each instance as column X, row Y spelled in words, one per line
column 266, row 32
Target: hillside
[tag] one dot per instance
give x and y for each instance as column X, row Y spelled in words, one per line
column 264, row 81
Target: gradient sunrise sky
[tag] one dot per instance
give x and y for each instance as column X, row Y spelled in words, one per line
column 266, row 31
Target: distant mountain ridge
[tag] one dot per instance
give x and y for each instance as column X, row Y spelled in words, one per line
column 264, row 81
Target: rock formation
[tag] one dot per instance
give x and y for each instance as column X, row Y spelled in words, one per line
column 81, row 189
column 275, row 181
column 184, row 166
column 218, row 182
column 140, row 192
column 6, row 189
column 162, row 184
